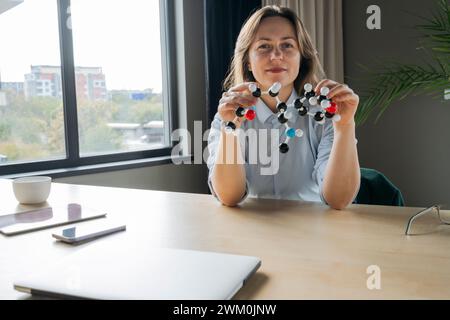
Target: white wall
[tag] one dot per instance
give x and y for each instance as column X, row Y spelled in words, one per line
column 410, row 143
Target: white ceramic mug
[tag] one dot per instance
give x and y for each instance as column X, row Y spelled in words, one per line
column 32, row 190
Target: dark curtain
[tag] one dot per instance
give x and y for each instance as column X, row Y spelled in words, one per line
column 223, row 21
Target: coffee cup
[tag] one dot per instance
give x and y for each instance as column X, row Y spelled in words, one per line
column 32, row 190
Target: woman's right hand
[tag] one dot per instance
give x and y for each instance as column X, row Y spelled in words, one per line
column 237, row 96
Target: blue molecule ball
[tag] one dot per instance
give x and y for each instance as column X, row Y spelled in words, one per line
column 290, row 132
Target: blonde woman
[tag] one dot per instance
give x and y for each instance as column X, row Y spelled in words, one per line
column 322, row 165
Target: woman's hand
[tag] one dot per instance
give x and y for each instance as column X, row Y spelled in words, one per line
column 238, row 96
column 347, row 101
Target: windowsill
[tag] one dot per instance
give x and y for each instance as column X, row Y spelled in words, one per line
column 99, row 168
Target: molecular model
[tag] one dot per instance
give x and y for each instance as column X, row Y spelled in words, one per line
column 317, row 107
column 250, row 113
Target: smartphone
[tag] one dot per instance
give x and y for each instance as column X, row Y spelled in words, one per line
column 87, row 232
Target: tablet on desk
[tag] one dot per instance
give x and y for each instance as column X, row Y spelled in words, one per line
column 43, row 218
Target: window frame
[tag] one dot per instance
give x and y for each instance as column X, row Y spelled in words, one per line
column 73, row 159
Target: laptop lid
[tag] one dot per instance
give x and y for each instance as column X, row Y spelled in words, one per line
column 102, row 271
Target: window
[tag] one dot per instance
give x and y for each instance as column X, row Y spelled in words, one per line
column 29, row 118
column 84, row 89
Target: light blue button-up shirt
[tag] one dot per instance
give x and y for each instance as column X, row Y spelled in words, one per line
column 300, row 173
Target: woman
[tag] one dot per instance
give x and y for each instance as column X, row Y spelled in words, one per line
column 273, row 46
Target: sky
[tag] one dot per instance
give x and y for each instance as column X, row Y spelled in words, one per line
column 122, row 37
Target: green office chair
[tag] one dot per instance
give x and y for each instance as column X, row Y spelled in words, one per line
column 377, row 189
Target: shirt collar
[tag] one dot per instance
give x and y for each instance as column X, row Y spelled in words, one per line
column 263, row 112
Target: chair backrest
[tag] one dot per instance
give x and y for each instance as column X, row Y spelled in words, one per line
column 377, row 189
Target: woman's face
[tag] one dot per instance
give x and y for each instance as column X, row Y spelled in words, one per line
column 274, row 55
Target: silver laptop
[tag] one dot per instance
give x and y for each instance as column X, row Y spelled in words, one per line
column 103, row 271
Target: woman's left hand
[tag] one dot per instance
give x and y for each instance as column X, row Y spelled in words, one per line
column 347, row 101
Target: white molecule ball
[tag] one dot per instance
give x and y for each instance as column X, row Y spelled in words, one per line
column 228, row 130
column 288, row 114
column 325, row 104
column 324, row 91
column 312, row 101
column 275, row 88
column 308, row 87
column 252, row 87
column 299, row 133
column 336, row 118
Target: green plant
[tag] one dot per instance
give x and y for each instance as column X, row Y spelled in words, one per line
column 395, row 81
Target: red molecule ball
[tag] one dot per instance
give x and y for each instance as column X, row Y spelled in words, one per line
column 332, row 108
column 250, row 114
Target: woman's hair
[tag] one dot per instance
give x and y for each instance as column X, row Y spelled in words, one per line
column 310, row 68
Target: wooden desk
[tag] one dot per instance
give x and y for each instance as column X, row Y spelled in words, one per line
column 308, row 251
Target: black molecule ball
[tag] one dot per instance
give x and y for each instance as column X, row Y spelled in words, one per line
column 257, row 93
column 273, row 94
column 281, row 107
column 318, row 116
column 231, row 125
column 322, row 98
column 284, row 148
column 240, row 112
column 310, row 94
column 302, row 111
column 282, row 118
